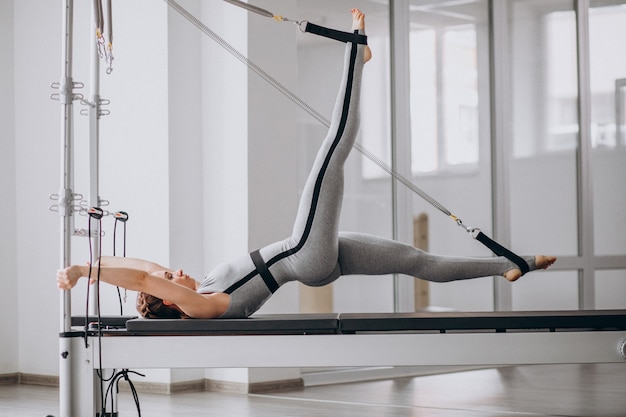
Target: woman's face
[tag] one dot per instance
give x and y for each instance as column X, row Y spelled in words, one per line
column 180, row 278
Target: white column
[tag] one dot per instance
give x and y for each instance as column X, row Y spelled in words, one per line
column 8, row 247
column 249, row 150
column 272, row 139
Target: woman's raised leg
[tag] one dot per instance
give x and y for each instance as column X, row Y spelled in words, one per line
column 311, row 251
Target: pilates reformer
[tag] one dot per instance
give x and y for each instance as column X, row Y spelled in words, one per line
column 354, row 339
column 359, row 340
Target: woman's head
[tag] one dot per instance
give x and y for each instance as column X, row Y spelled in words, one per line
column 152, row 307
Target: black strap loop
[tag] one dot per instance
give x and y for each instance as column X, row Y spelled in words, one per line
column 335, row 34
column 500, row 250
column 264, row 271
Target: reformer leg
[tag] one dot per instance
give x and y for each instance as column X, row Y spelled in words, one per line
column 82, row 382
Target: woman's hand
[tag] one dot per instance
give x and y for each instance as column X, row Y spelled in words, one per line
column 68, row 278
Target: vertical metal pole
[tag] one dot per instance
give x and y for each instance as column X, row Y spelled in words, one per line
column 94, row 143
column 586, row 279
column 66, row 194
column 500, row 138
column 619, row 112
column 403, row 299
column 65, row 205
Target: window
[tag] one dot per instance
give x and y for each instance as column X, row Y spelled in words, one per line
column 444, row 86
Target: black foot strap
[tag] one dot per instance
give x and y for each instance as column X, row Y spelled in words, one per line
column 335, row 34
column 500, row 250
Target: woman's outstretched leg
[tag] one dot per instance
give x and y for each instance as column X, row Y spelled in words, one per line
column 371, row 255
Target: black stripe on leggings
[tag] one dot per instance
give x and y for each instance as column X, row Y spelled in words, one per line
column 320, row 177
column 318, row 182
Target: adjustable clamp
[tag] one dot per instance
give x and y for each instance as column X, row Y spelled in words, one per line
column 95, row 212
column 474, row 231
column 121, row 216
column 98, row 213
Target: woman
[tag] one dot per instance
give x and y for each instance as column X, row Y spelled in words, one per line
column 315, row 254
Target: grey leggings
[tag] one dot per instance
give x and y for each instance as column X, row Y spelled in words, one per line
column 316, row 253
column 326, row 254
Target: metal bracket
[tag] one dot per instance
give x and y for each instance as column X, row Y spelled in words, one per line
column 65, row 94
column 65, row 197
column 101, row 102
column 85, row 233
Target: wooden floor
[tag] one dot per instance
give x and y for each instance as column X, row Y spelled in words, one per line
column 545, row 390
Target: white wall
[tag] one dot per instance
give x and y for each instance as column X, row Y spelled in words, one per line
column 186, row 191
column 8, row 254
column 224, row 135
column 37, row 149
column 272, row 139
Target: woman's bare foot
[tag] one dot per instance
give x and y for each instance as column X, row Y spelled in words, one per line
column 358, row 22
column 544, row 262
column 541, row 262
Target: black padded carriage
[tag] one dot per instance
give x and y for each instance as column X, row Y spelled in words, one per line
column 495, row 321
column 259, row 324
column 347, row 323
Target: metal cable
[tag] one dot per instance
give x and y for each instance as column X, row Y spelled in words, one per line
column 251, row 8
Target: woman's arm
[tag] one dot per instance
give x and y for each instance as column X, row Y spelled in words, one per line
column 193, row 304
column 133, row 263
column 129, row 278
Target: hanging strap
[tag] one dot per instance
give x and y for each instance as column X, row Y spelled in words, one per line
column 264, row 271
column 500, row 250
column 335, row 34
column 494, row 246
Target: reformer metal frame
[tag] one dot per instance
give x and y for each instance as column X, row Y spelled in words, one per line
column 359, row 350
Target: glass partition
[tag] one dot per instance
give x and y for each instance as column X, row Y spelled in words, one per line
column 608, row 136
column 444, row 68
column 451, row 134
column 543, row 165
column 544, row 127
column 610, row 289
